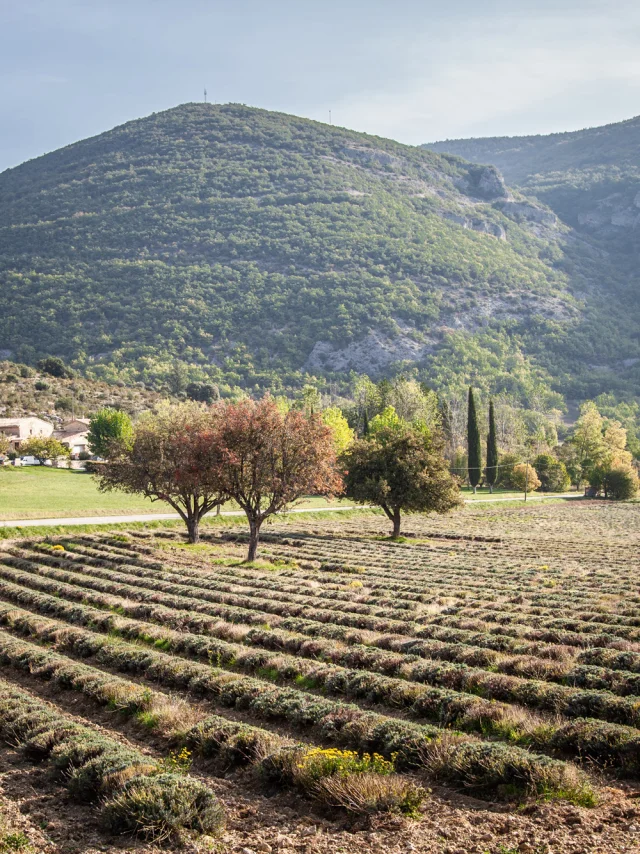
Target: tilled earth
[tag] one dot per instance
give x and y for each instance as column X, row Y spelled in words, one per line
column 39, row 807
column 35, row 806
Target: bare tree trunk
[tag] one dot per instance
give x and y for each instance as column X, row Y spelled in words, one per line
column 254, row 537
column 490, row 489
column 474, row 488
column 396, row 523
column 193, row 528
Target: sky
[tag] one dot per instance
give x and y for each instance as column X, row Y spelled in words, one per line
column 414, row 70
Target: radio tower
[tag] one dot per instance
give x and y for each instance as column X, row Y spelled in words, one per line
column 205, row 96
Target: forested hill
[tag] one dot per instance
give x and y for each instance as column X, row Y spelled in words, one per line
column 257, row 248
column 591, row 178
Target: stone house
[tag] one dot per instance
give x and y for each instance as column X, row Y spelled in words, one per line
column 18, row 430
column 74, row 434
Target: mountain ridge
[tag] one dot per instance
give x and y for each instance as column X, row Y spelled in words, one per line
column 589, row 177
column 262, row 250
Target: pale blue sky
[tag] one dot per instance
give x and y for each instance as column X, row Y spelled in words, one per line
column 414, row 70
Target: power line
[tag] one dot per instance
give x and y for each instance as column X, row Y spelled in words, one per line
column 501, row 466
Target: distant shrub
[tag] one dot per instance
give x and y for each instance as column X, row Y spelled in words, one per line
column 55, row 367
column 523, row 476
column 64, row 404
column 41, row 385
column 204, row 392
column 552, row 473
column 622, row 484
column 506, row 466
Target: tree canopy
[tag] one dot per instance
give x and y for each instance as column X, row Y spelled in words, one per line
column 43, row 448
column 174, row 457
column 108, row 428
column 491, row 470
column 269, row 459
column 402, row 470
column 474, row 447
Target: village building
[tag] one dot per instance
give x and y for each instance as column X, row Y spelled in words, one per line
column 74, row 434
column 18, row 430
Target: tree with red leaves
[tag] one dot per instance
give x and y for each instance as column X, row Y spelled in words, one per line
column 270, row 459
column 174, row 456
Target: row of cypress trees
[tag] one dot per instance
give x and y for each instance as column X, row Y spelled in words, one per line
column 474, row 446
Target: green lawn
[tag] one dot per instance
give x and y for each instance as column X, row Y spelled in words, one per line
column 41, row 492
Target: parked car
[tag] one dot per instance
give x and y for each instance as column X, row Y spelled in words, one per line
column 29, row 461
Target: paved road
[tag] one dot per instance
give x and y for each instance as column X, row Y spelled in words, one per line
column 530, row 498
column 159, row 517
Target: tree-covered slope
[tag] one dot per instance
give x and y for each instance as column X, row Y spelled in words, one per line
column 591, row 178
column 257, row 247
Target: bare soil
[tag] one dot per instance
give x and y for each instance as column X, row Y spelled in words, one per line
column 286, row 824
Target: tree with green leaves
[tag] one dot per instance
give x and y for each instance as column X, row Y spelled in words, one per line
column 43, row 448
column 552, row 473
column 474, row 448
column 342, row 433
column 618, row 482
column 178, row 378
column 491, row 471
column 388, row 419
column 365, row 423
column 366, row 399
column 55, row 367
column 109, row 427
column 585, row 448
column 202, row 392
column 400, row 469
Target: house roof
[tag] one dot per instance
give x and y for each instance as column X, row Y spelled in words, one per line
column 10, row 422
column 84, row 421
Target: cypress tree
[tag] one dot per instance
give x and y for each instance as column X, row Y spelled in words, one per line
column 474, row 449
column 365, row 424
column 492, row 450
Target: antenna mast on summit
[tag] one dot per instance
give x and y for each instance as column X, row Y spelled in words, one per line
column 205, row 96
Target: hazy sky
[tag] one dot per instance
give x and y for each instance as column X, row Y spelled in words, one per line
column 414, row 70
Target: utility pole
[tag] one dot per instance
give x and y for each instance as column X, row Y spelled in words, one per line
column 526, row 475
